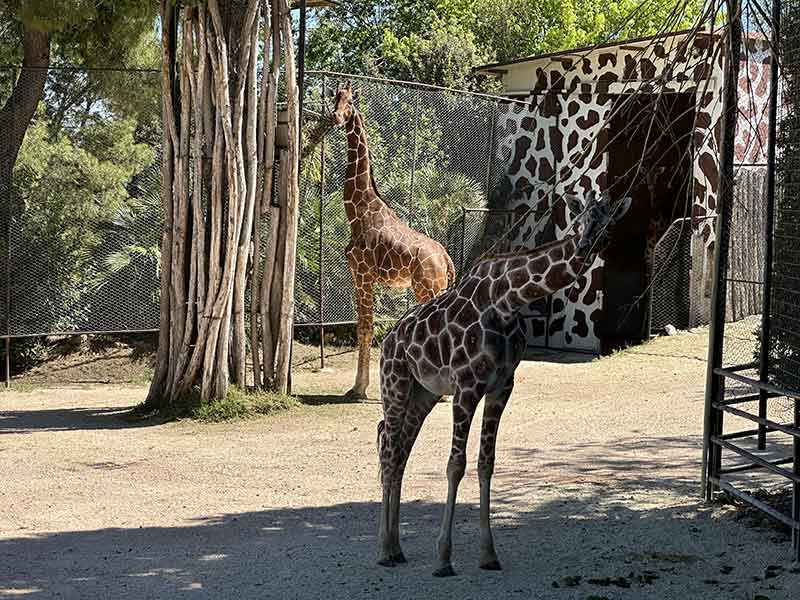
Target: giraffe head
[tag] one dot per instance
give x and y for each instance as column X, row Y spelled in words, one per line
column 344, row 104
column 597, row 221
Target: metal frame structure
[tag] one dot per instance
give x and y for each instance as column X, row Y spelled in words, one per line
column 721, row 378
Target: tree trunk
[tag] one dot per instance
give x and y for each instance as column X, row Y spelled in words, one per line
column 16, row 115
column 214, row 196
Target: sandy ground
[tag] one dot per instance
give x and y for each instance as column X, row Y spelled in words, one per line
column 595, row 495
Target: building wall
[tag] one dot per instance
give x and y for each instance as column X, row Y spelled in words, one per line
column 557, row 145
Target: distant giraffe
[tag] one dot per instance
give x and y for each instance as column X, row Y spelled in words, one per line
column 469, row 342
column 382, row 249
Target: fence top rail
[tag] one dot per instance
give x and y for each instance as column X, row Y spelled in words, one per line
column 426, row 86
column 9, row 67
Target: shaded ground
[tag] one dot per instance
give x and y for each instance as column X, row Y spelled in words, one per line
column 596, row 492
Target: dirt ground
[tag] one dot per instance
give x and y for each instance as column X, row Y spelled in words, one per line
column 595, row 495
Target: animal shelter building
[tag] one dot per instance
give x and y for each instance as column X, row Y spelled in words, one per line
column 639, row 117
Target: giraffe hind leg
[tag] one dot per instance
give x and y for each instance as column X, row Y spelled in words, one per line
column 396, row 385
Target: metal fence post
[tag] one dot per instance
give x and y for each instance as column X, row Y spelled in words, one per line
column 463, row 238
column 714, row 383
column 322, row 240
column 9, row 201
column 763, row 372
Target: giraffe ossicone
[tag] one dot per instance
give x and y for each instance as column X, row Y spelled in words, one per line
column 383, row 249
column 468, row 343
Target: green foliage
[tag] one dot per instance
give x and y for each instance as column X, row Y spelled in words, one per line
column 69, row 189
column 90, row 32
column 239, row 404
column 440, row 41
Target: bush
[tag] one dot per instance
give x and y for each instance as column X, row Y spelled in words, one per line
column 239, row 404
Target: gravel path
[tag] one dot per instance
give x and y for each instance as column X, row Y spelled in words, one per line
column 595, row 495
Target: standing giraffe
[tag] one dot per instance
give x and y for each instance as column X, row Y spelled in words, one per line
column 468, row 342
column 382, row 249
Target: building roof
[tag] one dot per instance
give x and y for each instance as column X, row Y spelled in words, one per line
column 495, row 67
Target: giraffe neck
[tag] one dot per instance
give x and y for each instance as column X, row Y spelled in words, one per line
column 359, row 186
column 521, row 278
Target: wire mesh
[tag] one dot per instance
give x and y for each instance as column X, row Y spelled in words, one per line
column 670, row 295
column 433, row 155
column 83, row 216
column 784, row 330
column 745, row 277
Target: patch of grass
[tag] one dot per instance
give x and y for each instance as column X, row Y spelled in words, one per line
column 239, row 404
column 19, row 388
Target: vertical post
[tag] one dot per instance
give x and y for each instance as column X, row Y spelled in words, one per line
column 301, row 66
column 490, row 153
column 413, row 152
column 763, row 372
column 301, row 86
column 714, row 383
column 795, row 485
column 463, row 238
column 322, row 239
column 8, row 198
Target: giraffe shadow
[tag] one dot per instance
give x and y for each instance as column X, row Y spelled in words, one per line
column 323, row 399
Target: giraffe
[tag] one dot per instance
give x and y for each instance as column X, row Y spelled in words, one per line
column 382, row 249
column 468, row 343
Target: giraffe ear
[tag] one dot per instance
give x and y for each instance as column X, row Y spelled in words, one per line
column 573, row 205
column 356, row 96
column 348, row 85
column 621, row 209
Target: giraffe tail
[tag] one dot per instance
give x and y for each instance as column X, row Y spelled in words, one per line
column 451, row 271
column 380, row 444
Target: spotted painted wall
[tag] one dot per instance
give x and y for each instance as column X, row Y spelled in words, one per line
column 557, row 144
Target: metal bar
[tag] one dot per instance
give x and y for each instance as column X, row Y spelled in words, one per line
column 463, row 239
column 756, row 384
column 763, row 370
column 751, row 467
column 748, row 398
column 421, row 86
column 742, row 367
column 795, row 487
column 68, row 333
column 739, row 434
column 8, row 362
column 749, row 281
column 714, row 383
column 762, row 506
column 762, row 421
column 492, row 122
column 322, row 239
column 754, row 459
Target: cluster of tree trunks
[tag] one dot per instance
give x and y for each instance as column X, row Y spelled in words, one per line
column 219, row 163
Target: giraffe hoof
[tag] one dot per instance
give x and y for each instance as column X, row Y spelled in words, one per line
column 399, row 558
column 387, row 562
column 445, row 571
column 355, row 396
column 492, row 565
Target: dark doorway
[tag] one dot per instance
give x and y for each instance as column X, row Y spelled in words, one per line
column 650, row 160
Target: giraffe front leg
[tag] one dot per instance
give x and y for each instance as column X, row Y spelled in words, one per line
column 492, row 412
column 364, row 333
column 464, row 404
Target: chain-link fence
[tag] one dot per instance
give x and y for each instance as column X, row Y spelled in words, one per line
column 433, row 153
column 81, row 202
column 745, row 277
column 755, row 333
column 671, row 301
